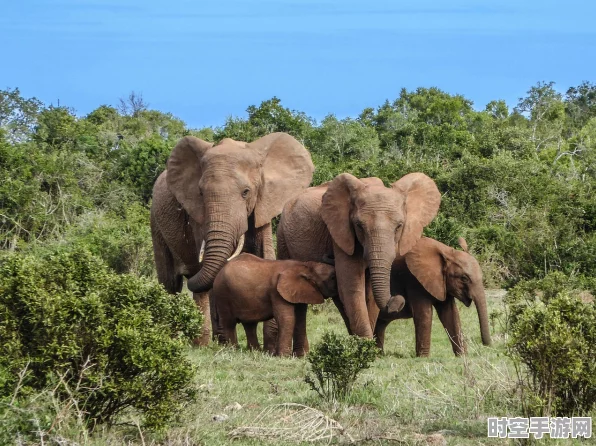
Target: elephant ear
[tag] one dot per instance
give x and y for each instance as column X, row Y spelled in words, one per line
column 426, row 262
column 184, row 173
column 421, row 205
column 335, row 210
column 296, row 288
column 462, row 242
column 286, row 170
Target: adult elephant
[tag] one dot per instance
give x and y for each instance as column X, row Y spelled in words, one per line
column 431, row 275
column 362, row 224
column 213, row 200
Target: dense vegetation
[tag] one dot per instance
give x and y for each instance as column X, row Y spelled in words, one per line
column 111, row 342
column 518, row 183
column 553, row 334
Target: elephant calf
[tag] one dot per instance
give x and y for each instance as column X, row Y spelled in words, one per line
column 249, row 290
column 434, row 275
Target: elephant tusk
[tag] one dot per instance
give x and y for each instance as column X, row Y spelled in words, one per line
column 202, row 251
column 236, row 253
column 239, row 248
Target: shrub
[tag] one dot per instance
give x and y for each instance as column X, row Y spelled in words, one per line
column 117, row 339
column 553, row 337
column 335, row 363
column 121, row 239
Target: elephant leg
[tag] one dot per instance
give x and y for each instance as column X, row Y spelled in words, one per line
column 164, row 262
column 264, row 243
column 449, row 317
column 227, row 330
column 270, row 333
column 286, row 320
column 350, row 271
column 230, row 334
column 422, row 312
column 300, row 346
column 216, row 328
column 380, row 327
column 250, row 328
column 343, row 314
column 202, row 301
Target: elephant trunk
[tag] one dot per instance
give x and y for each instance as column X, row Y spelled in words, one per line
column 380, row 260
column 220, row 242
column 480, row 301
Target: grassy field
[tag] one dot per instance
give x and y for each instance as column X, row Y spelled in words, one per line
column 401, row 399
column 400, row 396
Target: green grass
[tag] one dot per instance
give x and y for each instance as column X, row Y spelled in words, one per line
column 400, row 396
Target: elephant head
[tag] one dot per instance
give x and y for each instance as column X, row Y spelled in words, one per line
column 220, row 186
column 446, row 272
column 310, row 283
column 383, row 221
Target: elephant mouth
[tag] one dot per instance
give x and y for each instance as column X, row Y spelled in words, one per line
column 235, row 254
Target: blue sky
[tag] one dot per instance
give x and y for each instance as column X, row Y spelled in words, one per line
column 203, row 60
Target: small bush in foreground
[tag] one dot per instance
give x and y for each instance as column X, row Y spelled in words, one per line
column 335, row 363
column 116, row 341
column 553, row 336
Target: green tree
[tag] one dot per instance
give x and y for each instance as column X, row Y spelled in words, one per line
column 348, row 138
column 18, row 115
column 546, row 111
column 269, row 117
column 580, row 104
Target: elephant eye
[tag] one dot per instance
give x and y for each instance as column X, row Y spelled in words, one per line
column 399, row 225
column 245, row 192
column 359, row 224
column 465, row 278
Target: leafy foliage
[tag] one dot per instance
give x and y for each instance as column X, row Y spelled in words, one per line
column 517, row 183
column 553, row 335
column 117, row 338
column 335, row 363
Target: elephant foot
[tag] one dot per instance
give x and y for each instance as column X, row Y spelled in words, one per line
column 299, row 353
column 270, row 333
column 202, row 301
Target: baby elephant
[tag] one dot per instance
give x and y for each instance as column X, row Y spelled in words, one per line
column 431, row 275
column 249, row 290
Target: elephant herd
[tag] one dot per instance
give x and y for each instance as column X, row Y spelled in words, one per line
column 353, row 240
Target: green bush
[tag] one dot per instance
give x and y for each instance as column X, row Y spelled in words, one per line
column 553, row 338
column 122, row 239
column 118, row 341
column 335, row 363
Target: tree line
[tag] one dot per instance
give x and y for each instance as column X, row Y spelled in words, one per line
column 517, row 182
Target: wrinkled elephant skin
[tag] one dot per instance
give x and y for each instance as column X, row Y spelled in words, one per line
column 215, row 194
column 434, row 275
column 251, row 290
